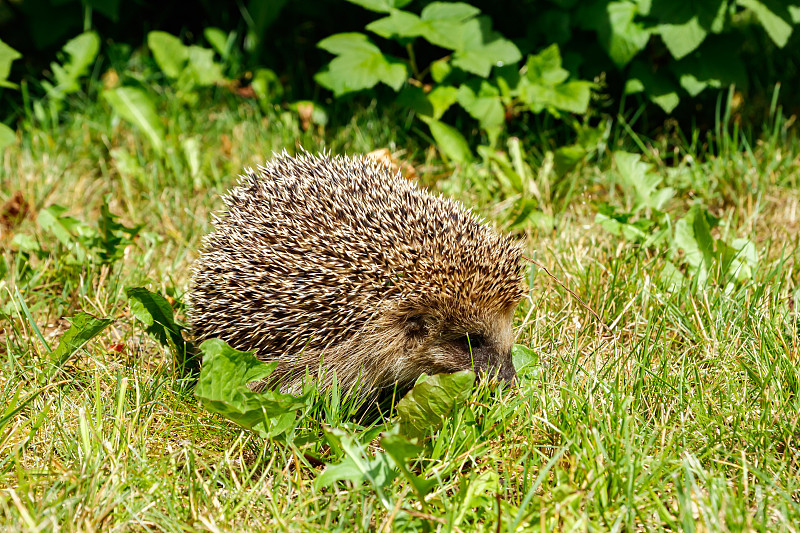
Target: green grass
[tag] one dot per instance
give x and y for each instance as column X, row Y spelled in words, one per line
column 683, row 415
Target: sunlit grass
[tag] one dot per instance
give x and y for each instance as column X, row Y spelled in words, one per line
column 681, row 412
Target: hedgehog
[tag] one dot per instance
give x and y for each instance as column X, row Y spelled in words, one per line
column 339, row 268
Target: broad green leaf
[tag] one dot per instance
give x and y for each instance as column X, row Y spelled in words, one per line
column 414, row 98
column 169, row 52
column 7, row 136
column 441, row 23
column 398, row 25
column 155, row 312
column 658, row 88
column 441, row 98
column 358, row 467
column 444, row 23
column 449, row 141
column 526, row 361
column 449, row 11
column 381, row 6
column 625, row 37
column 671, row 278
column 775, row 18
column 683, row 26
column 572, row 96
column 483, row 105
column 136, row 106
column 566, row 158
column 480, row 48
column 715, row 64
column 82, row 51
column 109, row 8
column 440, row 69
column 267, row 86
column 83, row 328
column 481, row 490
column 618, row 31
column 544, row 68
column 693, row 236
column 544, row 85
column 219, row 41
column 682, row 39
column 401, row 450
column 222, row 387
column 424, row 407
column 69, row 231
column 622, row 224
column 639, row 178
column 359, row 65
column 7, row 56
column 203, row 69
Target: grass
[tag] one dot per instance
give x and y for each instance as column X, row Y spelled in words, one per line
column 680, row 414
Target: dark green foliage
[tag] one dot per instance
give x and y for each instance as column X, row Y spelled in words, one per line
column 495, row 62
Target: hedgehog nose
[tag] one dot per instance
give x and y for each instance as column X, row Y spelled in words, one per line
column 507, row 373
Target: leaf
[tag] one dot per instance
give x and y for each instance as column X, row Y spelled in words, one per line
column 544, row 85
column 109, row 8
column 400, row 449
column 658, row 88
column 638, row 178
column 136, row 106
column 544, row 68
column 222, row 387
column 7, row 136
column 82, row 51
column 398, row 25
column 683, row 26
column 682, row 39
column 617, row 30
column 423, row 409
column 441, row 98
column 483, row 105
column 671, row 278
column 7, row 56
column 83, row 328
column 201, row 68
column 626, row 37
column 693, row 236
column 357, row 467
column 443, row 23
column 440, row 69
column 775, row 18
column 526, row 361
column 66, row 229
column 359, row 65
column 381, row 6
column 480, row 48
column 155, row 312
column 267, row 86
column 566, row 158
column 219, row 41
column 169, row 52
column 449, row 141
column 715, row 64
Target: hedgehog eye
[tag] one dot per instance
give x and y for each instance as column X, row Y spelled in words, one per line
column 473, row 341
column 417, row 325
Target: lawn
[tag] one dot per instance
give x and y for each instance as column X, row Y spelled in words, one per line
column 677, row 409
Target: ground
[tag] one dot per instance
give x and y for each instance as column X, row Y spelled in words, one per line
column 677, row 409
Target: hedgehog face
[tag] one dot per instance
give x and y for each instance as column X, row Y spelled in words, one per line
column 462, row 341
